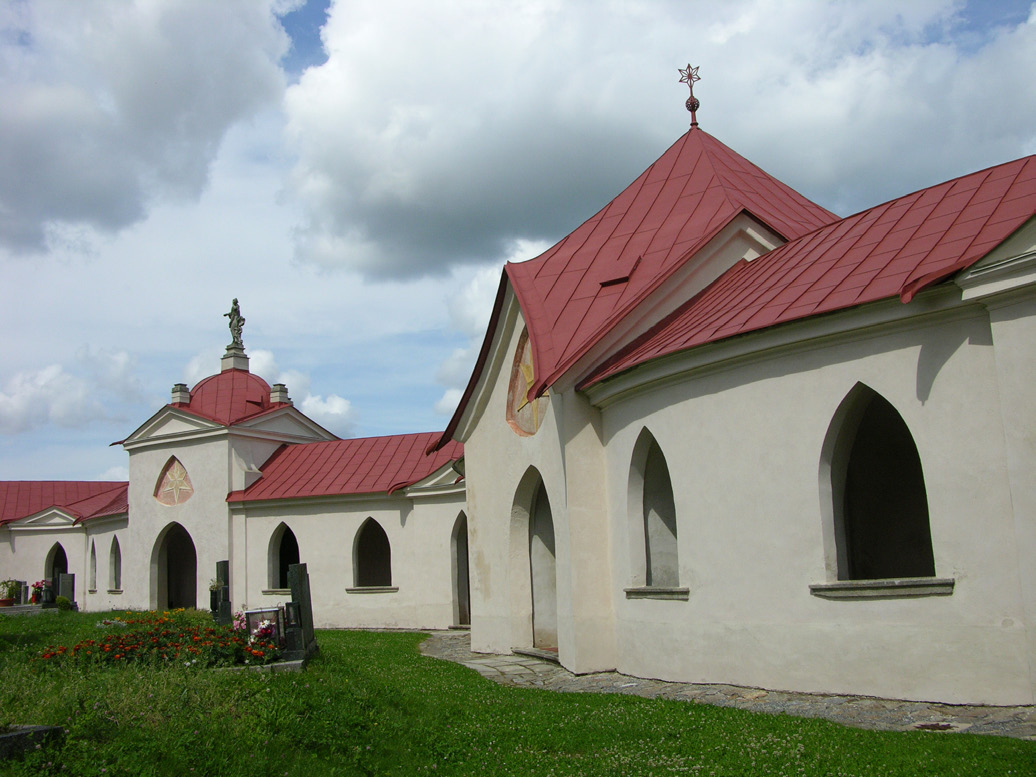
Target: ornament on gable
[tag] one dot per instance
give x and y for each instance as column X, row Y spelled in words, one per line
column 174, row 484
column 689, row 76
column 524, row 414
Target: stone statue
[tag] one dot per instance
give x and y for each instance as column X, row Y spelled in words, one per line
column 237, row 323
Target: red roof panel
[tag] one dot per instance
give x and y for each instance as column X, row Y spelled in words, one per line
column 941, row 231
column 367, row 465
column 230, row 396
column 84, row 499
column 680, row 202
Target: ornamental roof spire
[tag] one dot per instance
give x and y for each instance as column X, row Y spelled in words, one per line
column 689, row 76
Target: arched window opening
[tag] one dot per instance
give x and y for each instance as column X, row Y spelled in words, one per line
column 93, row 566
column 880, row 504
column 284, row 551
column 115, row 566
column 655, row 558
column 372, row 556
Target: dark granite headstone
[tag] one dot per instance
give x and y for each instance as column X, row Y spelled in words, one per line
column 224, row 612
column 300, row 641
column 25, row 593
column 67, row 586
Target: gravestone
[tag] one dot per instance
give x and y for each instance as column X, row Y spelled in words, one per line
column 67, row 586
column 300, row 641
column 224, row 612
column 24, row 593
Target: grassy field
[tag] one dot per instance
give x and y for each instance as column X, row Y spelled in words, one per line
column 370, row 704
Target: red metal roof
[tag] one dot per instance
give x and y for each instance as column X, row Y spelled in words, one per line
column 367, row 465
column 229, row 397
column 82, row 499
column 894, row 249
column 573, row 294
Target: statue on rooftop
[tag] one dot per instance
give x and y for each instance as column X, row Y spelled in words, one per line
column 237, row 324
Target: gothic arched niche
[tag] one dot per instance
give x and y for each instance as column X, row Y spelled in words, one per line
column 174, row 484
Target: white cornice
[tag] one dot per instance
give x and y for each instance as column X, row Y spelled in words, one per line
column 350, row 499
column 1005, row 271
column 877, row 318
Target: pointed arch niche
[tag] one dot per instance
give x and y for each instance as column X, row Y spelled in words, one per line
column 877, row 535
column 173, row 486
column 372, row 560
column 653, row 540
column 533, row 566
column 115, row 567
column 459, row 569
column 282, row 553
column 93, row 566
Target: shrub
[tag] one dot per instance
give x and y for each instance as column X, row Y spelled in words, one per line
column 63, row 603
column 10, row 589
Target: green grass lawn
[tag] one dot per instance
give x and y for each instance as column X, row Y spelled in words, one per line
column 370, row 704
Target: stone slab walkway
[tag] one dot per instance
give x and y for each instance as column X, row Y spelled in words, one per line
column 860, row 711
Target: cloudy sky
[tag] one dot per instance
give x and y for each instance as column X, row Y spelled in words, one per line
column 357, row 172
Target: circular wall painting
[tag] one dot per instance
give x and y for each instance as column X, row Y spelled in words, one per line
column 524, row 416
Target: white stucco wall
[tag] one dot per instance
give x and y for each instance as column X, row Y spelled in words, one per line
column 204, row 516
column 566, row 453
column 419, row 531
column 25, row 550
column 743, row 446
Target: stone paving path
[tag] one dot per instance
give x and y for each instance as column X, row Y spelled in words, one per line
column 859, row 711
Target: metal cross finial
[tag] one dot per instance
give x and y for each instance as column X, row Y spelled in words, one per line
column 689, row 76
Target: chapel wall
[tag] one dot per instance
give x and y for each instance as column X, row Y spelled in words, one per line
column 24, row 554
column 499, row 464
column 419, row 533
column 743, row 447
column 105, row 595
column 204, row 515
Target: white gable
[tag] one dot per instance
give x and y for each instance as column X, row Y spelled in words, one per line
column 51, row 518
column 171, row 422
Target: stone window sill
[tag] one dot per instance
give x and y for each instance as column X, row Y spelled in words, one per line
column 115, row 590
column 373, row 589
column 276, row 592
column 658, row 592
column 91, row 590
column 892, row 588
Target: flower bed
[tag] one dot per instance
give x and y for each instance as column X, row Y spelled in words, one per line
column 161, row 638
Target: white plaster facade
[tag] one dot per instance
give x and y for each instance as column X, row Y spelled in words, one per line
column 423, row 522
column 750, row 429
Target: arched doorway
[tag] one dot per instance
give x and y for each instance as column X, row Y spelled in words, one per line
column 175, row 570
column 461, row 583
column 57, row 564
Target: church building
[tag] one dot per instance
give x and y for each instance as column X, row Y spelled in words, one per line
column 716, row 434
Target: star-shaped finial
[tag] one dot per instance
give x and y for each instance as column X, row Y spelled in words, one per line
column 688, row 76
